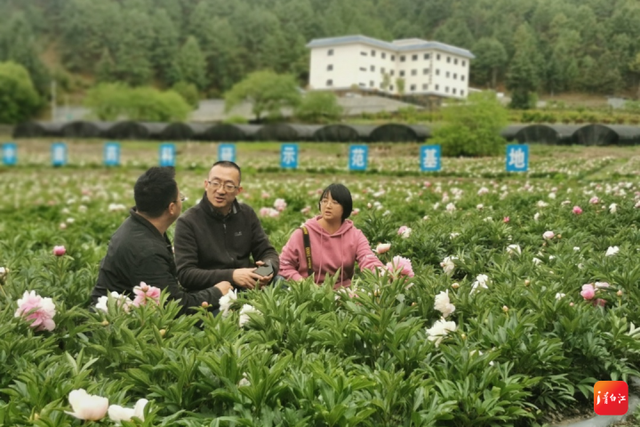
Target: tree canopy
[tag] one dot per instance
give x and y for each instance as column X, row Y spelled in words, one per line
column 18, row 97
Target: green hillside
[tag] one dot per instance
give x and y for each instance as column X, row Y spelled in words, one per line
column 553, row 46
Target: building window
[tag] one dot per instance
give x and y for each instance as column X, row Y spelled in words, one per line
column 384, row 55
column 381, row 85
column 426, row 56
column 330, row 52
column 455, row 76
column 448, row 74
column 455, row 61
column 363, row 68
column 382, row 70
column 437, row 87
column 461, row 93
column 414, row 57
column 402, row 58
column 438, row 57
column 425, row 71
column 454, row 90
column 437, row 71
column 446, row 89
column 371, row 83
column 391, row 88
column 329, row 82
column 463, row 63
column 393, row 72
column 414, row 72
column 448, row 60
column 373, row 68
column 330, row 67
column 373, row 53
column 462, row 77
column 402, row 73
column 362, row 84
column 393, row 57
column 412, row 88
column 363, row 53
column 425, row 86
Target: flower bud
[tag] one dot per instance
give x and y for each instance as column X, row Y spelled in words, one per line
column 527, row 282
column 205, row 304
column 163, row 332
column 105, row 323
column 505, row 308
column 619, row 293
column 455, row 285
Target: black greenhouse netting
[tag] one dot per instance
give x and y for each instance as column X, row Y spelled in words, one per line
column 85, row 129
column 38, row 130
column 596, row 134
column 229, row 132
column 394, row 132
column 343, row 133
column 286, row 132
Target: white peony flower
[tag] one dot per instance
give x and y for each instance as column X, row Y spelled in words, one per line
column 448, row 265
column 613, row 208
column 439, row 330
column 244, row 313
column 612, row 251
column 443, row 304
column 514, row 249
column 86, row 406
column 118, row 413
column 226, row 301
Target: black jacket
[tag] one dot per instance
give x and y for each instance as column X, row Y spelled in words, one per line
column 139, row 253
column 209, row 246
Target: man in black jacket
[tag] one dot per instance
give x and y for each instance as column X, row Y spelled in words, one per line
column 222, row 239
column 140, row 250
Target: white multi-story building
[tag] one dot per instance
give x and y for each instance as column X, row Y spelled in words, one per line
column 425, row 67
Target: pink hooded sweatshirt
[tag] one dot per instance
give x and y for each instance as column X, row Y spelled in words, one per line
column 329, row 252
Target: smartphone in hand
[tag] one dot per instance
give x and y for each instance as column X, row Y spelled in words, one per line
column 264, row 270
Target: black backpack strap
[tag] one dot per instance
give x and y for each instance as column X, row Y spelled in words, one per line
column 307, row 249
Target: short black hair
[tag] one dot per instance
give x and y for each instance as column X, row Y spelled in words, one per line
column 342, row 195
column 229, row 164
column 155, row 190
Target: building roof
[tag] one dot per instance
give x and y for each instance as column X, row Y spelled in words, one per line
column 397, row 45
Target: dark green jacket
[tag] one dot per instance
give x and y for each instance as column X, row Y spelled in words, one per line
column 209, row 246
column 139, row 253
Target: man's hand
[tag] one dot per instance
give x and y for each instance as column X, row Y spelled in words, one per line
column 245, row 277
column 224, row 287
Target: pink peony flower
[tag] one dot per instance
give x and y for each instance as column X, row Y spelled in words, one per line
column 594, row 200
column 59, row 250
column 269, row 212
column 265, row 195
column 305, row 210
column 38, row 310
column 577, row 210
column 600, row 302
column 280, row 204
column 548, row 235
column 355, row 211
column 145, row 293
column 505, row 219
column 588, row 291
column 404, row 231
column 401, row 263
column 383, row 247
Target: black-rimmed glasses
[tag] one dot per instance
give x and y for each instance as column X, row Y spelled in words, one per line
column 229, row 187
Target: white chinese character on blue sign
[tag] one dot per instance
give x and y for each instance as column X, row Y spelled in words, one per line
column 112, row 154
column 358, row 157
column 59, row 154
column 289, row 156
column 430, row 158
column 517, row 158
column 167, row 155
column 227, row 152
column 9, row 154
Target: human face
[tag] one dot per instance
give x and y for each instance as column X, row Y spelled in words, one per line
column 331, row 210
column 222, row 197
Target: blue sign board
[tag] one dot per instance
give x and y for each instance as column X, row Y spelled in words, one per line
column 227, row 152
column 358, row 157
column 289, row 156
column 59, row 154
column 517, row 158
column 112, row 154
column 167, row 155
column 9, row 153
column 430, row 158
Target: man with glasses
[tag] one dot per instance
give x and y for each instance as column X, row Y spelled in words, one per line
column 220, row 239
column 140, row 251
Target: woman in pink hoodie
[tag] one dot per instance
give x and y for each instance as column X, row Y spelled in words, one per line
column 336, row 244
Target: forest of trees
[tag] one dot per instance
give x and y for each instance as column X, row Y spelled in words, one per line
column 548, row 46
